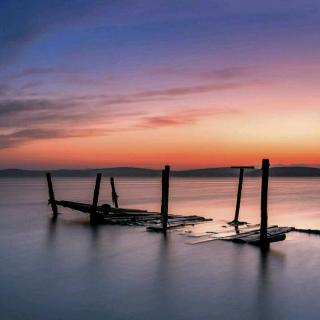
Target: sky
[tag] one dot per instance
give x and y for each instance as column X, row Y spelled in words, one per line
column 206, row 83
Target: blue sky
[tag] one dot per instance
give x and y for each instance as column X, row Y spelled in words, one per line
column 127, row 61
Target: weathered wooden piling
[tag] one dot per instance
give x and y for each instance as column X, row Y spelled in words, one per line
column 114, row 193
column 94, row 219
column 242, row 168
column 264, row 243
column 52, row 200
column 165, row 198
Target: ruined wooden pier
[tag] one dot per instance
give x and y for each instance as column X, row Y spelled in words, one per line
column 106, row 214
column 163, row 221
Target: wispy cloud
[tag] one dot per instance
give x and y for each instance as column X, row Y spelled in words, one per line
column 51, row 112
column 32, row 84
column 226, row 73
column 4, row 89
column 205, row 88
column 25, row 119
column 184, row 116
column 35, row 72
column 19, row 137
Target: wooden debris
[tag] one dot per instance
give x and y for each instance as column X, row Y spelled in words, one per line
column 123, row 216
column 249, row 234
column 264, row 241
column 94, row 216
column 236, row 214
column 165, row 198
column 274, row 234
column 52, row 200
column 114, row 194
column 310, row 231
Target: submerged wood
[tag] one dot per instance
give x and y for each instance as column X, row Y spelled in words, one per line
column 165, row 198
column 310, row 231
column 114, row 194
column 52, row 200
column 264, row 205
column 274, row 234
column 250, row 234
column 124, row 216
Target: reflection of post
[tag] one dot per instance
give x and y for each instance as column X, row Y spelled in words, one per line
column 236, row 214
column 52, row 200
column 264, row 205
column 93, row 214
column 165, row 198
column 114, row 193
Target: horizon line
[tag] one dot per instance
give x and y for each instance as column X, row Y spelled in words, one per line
column 152, row 167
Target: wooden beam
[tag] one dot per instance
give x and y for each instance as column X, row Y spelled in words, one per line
column 114, row 193
column 264, row 205
column 165, row 198
column 236, row 214
column 94, row 219
column 52, row 200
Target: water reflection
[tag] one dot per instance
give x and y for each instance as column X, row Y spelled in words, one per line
column 52, row 229
column 119, row 272
column 271, row 265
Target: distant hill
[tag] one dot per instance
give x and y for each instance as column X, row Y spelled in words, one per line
column 142, row 172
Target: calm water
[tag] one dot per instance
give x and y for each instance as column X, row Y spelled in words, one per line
column 69, row 270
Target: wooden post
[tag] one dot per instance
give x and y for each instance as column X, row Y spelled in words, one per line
column 93, row 215
column 264, row 205
column 52, row 200
column 236, row 214
column 165, row 198
column 114, row 193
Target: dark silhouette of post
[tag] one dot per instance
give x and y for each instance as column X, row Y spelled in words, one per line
column 165, row 198
column 242, row 168
column 114, row 193
column 93, row 214
column 264, row 205
column 52, row 200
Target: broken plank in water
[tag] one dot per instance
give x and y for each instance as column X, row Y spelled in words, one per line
column 78, row 206
column 103, row 209
column 158, row 227
column 174, row 223
column 226, row 233
column 274, row 234
column 128, row 216
column 245, row 232
column 310, row 231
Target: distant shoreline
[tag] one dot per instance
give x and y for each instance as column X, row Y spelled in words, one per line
column 290, row 171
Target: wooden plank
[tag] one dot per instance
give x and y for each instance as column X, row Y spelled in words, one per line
column 52, row 200
column 94, row 217
column 309, row 231
column 242, row 167
column 273, row 235
column 165, row 198
column 244, row 233
column 236, row 215
column 264, row 205
column 114, row 194
column 158, row 227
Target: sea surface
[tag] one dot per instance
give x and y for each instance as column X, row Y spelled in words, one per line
column 70, row 270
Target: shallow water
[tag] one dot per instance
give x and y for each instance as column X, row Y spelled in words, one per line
column 69, row 270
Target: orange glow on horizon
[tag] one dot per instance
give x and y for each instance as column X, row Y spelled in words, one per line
column 277, row 120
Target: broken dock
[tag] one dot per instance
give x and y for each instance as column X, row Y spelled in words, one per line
column 163, row 221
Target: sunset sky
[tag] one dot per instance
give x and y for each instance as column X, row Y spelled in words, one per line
column 87, row 84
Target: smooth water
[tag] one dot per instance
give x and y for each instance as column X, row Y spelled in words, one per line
column 69, row 270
